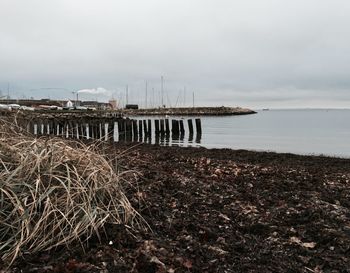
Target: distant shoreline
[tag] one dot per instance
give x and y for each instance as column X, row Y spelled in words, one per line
column 190, row 111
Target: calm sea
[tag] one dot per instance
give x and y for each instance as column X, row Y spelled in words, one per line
column 296, row 131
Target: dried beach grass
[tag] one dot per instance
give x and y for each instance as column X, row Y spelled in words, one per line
column 54, row 192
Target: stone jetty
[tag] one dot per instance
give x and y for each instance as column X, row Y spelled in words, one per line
column 191, row 111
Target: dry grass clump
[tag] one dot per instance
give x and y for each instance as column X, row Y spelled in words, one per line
column 54, row 192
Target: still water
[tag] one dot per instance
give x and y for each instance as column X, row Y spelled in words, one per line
column 296, row 131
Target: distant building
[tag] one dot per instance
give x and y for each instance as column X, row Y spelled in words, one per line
column 69, row 104
column 97, row 105
column 50, row 104
column 113, row 103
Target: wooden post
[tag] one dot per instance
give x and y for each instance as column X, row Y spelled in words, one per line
column 172, row 126
column 62, row 128
column 198, row 138
column 41, row 127
column 84, row 129
column 110, row 130
column 75, row 129
column 140, row 130
column 44, row 127
column 36, row 125
column 48, row 127
column 145, row 127
column 149, row 128
column 51, row 130
column 134, row 128
column 79, row 129
column 66, row 129
column 167, row 130
column 198, row 126
column 99, row 129
column 91, row 130
column 156, row 126
column 103, row 130
column 125, row 129
column 119, row 126
column 52, row 127
column 31, row 127
column 175, row 127
column 128, row 123
column 96, row 129
column 70, row 129
column 190, row 126
column 122, row 133
column 156, row 138
column 190, row 138
column 162, row 131
column 182, row 129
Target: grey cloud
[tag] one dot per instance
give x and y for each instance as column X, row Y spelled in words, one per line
column 256, row 53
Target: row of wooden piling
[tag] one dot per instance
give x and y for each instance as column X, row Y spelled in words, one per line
column 113, row 129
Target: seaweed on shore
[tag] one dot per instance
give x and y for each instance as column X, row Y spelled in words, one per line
column 218, row 210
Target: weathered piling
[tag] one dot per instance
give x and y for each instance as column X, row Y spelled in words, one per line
column 91, row 131
column 121, row 135
column 67, row 132
column 95, row 126
column 44, row 127
column 30, row 127
column 182, row 128
column 145, row 127
column 156, row 127
column 162, row 131
column 198, row 126
column 51, row 127
column 134, row 129
column 85, row 131
column 71, row 129
column 149, row 131
column 190, row 126
column 99, row 130
column 167, row 129
column 128, row 125
column 80, row 130
column 113, row 129
column 140, row 130
column 110, row 130
column 175, row 127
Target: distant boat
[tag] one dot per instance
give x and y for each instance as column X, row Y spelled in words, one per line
column 265, row 109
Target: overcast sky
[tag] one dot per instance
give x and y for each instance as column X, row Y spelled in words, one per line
column 251, row 53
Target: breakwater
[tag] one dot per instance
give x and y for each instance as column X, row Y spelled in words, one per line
column 190, row 111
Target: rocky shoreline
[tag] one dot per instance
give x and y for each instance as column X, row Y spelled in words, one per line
column 220, row 210
column 190, row 111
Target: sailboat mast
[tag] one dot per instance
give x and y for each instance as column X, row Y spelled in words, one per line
column 146, row 95
column 162, row 90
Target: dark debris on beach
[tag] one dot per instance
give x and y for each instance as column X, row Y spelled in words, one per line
column 220, row 211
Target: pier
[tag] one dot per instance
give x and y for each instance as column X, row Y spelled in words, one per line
column 112, row 128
